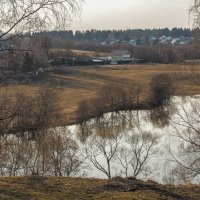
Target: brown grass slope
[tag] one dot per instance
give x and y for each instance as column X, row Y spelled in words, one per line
column 42, row 188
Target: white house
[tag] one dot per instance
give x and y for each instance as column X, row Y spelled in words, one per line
column 120, row 55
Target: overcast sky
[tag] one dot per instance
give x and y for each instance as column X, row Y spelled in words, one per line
column 123, row 14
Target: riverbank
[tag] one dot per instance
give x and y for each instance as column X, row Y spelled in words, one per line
column 81, row 83
column 43, row 188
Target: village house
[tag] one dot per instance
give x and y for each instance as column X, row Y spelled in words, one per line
column 120, row 55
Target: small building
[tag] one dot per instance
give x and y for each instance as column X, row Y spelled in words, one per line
column 120, row 55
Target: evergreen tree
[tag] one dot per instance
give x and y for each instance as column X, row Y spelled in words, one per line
column 28, row 62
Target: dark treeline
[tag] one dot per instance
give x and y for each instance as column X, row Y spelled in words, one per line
column 109, row 35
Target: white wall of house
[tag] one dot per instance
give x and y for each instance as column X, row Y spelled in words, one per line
column 120, row 55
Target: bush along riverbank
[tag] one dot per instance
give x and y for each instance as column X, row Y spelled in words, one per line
column 114, row 98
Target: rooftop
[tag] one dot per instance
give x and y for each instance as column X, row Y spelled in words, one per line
column 119, row 52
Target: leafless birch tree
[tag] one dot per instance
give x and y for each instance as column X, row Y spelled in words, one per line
column 26, row 16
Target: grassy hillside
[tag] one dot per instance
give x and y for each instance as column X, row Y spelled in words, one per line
column 41, row 188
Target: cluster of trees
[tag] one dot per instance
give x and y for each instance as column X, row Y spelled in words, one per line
column 40, row 106
column 48, row 154
column 29, row 58
column 109, row 98
column 126, row 155
column 31, row 146
column 166, row 54
column 110, row 35
column 29, row 143
column 113, row 151
column 19, row 17
column 55, row 152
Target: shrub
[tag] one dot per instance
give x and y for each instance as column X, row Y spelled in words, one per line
column 161, row 89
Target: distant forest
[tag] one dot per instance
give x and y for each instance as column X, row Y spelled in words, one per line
column 111, row 35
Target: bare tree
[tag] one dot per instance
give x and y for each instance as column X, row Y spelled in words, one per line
column 101, row 152
column 142, row 146
column 20, row 18
column 26, row 16
column 42, row 109
column 135, row 155
column 195, row 11
column 186, row 125
column 64, row 154
column 123, row 156
column 51, row 153
column 110, row 98
column 116, row 96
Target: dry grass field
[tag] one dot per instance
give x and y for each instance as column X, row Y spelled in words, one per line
column 84, row 82
column 79, row 53
column 43, row 188
column 78, row 83
column 88, row 53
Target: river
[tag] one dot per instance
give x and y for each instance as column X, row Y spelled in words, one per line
column 165, row 123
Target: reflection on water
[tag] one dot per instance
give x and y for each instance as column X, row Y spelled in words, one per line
column 160, row 123
column 143, row 144
column 160, row 117
column 118, row 122
column 119, row 144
